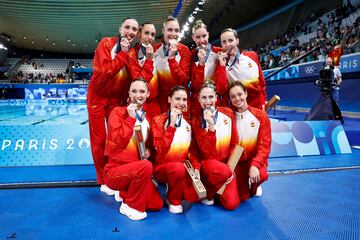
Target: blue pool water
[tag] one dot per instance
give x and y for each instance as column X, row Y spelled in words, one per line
column 43, row 112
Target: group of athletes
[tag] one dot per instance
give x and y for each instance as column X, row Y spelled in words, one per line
column 191, row 105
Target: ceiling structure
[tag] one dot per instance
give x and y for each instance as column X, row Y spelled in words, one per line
column 75, row 26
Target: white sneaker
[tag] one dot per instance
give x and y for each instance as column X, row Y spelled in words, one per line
column 258, row 191
column 117, row 196
column 174, row 208
column 107, row 190
column 207, row 202
column 132, row 213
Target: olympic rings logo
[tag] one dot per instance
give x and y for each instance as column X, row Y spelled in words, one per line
column 309, row 69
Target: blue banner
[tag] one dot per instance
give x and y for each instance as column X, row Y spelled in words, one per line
column 4, row 69
column 348, row 64
column 65, row 144
column 46, row 91
column 44, row 145
column 303, row 138
column 82, row 70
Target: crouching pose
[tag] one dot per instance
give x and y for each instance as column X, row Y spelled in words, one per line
column 126, row 170
column 174, row 144
column 216, row 136
column 253, row 126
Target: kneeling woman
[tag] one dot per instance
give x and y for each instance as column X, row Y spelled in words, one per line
column 173, row 143
column 216, row 136
column 253, row 126
column 125, row 170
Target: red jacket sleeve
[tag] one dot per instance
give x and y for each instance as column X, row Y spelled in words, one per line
column 136, row 71
column 253, row 55
column 180, row 71
column 162, row 137
column 193, row 154
column 221, row 80
column 206, row 140
column 105, row 68
column 197, row 75
column 121, row 127
column 264, row 141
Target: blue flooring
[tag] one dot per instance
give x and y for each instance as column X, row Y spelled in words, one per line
column 47, row 173
column 87, row 172
column 306, row 206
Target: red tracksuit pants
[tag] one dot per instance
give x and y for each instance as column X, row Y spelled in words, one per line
column 98, row 115
column 133, row 180
column 242, row 173
column 179, row 182
column 213, row 175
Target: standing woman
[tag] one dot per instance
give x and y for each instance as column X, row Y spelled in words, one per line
column 254, row 131
column 204, row 59
column 142, row 65
column 216, row 136
column 108, row 88
column 126, row 171
column 242, row 66
column 174, row 144
column 172, row 60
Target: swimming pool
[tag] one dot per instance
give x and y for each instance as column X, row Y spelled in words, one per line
column 43, row 112
column 44, row 132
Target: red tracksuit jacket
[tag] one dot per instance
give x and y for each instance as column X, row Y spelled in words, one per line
column 171, row 72
column 247, row 69
column 109, row 79
column 121, row 146
column 219, row 144
column 173, row 144
column 202, row 73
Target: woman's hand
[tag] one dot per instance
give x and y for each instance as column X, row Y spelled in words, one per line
column 173, row 47
column 201, row 56
column 125, row 44
column 147, row 154
column 174, row 112
column 131, row 110
column 254, row 174
column 222, row 58
column 149, row 52
column 209, row 118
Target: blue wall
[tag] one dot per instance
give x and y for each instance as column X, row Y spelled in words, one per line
column 304, row 94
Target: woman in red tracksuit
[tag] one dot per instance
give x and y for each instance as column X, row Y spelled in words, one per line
column 203, row 66
column 216, row 136
column 172, row 61
column 142, row 65
column 254, row 131
column 126, row 170
column 241, row 66
column 108, row 88
column 174, row 144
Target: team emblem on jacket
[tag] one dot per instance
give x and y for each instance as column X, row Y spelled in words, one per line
column 249, row 64
column 226, row 121
column 252, row 124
